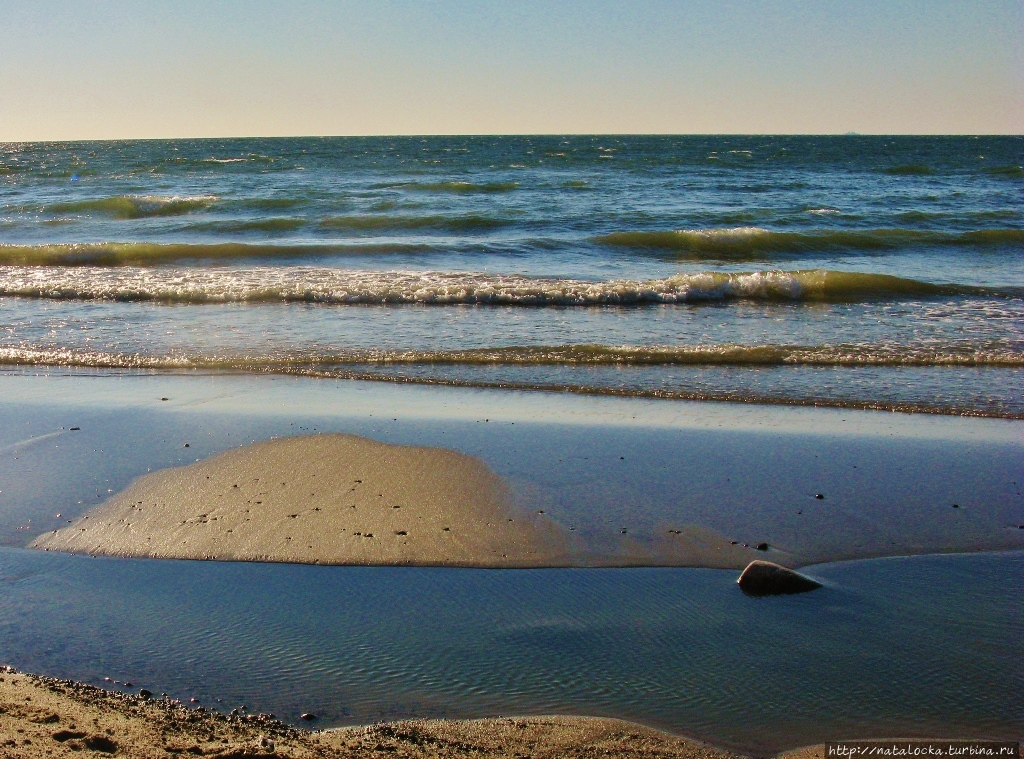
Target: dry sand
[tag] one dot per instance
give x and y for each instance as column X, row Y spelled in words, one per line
column 327, row 499
column 343, row 499
column 43, row 717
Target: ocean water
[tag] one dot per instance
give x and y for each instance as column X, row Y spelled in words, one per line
column 873, row 272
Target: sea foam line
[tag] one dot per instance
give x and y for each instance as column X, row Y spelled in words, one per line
column 849, row 355
column 351, row 371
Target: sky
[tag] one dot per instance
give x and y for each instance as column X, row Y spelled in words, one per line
column 115, row 69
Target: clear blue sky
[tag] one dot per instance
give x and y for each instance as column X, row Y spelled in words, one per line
column 110, row 69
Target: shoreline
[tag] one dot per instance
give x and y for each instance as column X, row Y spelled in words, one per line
column 43, row 716
column 52, row 717
column 912, row 409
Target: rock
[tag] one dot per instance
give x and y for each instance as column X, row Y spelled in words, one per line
column 761, row 546
column 820, row 496
column 765, row 578
column 309, row 717
column 145, row 694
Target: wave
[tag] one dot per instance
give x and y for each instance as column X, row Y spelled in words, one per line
column 383, row 223
column 346, row 286
column 909, row 169
column 845, row 355
column 273, row 224
column 135, row 206
column 754, row 242
column 399, row 367
column 271, row 204
column 112, row 254
column 1009, row 172
column 462, row 187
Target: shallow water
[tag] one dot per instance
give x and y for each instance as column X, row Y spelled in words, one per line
column 522, row 261
column 928, row 646
column 619, row 473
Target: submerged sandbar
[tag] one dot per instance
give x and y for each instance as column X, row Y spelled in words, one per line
column 321, row 499
column 345, row 499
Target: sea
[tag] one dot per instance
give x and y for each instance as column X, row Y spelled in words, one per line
column 849, row 271
column 811, row 347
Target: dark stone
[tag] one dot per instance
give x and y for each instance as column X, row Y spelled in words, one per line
column 765, row 578
column 761, row 546
column 145, row 694
column 820, row 496
column 956, row 505
column 309, row 717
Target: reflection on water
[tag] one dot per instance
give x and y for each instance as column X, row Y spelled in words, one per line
column 926, row 646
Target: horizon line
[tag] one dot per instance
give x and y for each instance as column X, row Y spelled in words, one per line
column 413, row 135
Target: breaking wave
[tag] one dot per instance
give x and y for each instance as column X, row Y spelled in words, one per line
column 135, row 206
column 347, row 286
column 754, row 242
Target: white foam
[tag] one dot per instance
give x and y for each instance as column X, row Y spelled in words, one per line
column 341, row 286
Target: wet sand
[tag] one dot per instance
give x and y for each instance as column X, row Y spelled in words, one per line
column 320, row 499
column 45, row 717
column 345, row 499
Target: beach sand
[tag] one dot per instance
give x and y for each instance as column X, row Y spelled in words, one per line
column 44, row 717
column 345, row 499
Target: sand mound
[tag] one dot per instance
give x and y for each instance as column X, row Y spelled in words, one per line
column 327, row 499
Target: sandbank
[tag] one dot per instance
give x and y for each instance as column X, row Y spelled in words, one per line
column 320, row 499
column 348, row 500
